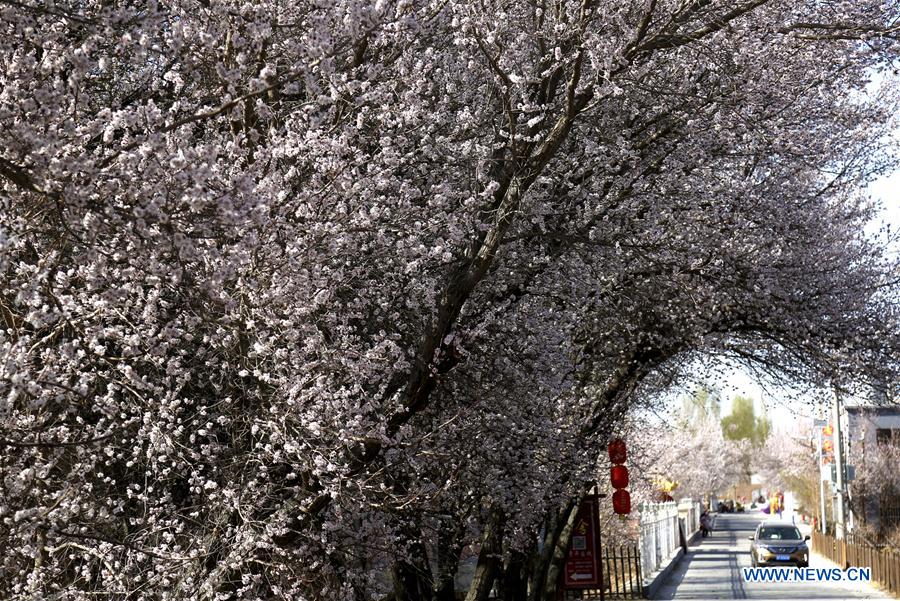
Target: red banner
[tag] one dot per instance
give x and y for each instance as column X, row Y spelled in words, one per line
column 827, row 444
column 583, row 560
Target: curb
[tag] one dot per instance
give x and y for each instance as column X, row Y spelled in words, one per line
column 653, row 587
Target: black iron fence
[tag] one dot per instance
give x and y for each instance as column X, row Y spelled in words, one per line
column 621, row 568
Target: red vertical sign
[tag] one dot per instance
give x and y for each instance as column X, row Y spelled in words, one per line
column 583, row 560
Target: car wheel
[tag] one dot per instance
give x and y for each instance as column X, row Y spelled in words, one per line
column 803, row 564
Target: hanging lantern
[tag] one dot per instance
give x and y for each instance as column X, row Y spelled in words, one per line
column 621, row 502
column 618, row 476
column 617, row 451
column 828, row 430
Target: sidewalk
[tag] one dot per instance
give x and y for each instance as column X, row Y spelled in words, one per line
column 869, row 590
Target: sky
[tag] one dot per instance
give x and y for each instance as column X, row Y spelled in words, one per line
column 887, row 189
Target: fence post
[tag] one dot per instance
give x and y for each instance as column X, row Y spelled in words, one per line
column 895, row 562
column 659, row 536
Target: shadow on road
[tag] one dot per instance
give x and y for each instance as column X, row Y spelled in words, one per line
column 712, row 570
column 708, row 570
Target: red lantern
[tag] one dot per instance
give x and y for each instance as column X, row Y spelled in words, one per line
column 618, row 475
column 617, row 451
column 621, row 502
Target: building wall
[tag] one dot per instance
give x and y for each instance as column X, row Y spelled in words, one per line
column 862, row 426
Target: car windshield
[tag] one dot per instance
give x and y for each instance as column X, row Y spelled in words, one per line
column 779, row 533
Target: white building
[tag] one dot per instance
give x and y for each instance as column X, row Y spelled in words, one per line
column 868, row 425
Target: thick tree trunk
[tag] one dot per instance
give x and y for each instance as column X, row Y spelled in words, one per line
column 490, row 558
column 448, row 549
column 515, row 583
column 541, row 562
column 558, row 554
column 411, row 571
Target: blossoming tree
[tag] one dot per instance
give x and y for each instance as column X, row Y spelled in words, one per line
column 296, row 295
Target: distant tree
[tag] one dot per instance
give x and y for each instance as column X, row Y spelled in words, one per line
column 743, row 423
column 693, row 455
column 877, row 484
column 746, row 430
column 791, row 465
column 878, row 467
column 704, row 403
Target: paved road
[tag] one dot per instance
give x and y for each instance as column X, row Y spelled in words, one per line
column 712, row 570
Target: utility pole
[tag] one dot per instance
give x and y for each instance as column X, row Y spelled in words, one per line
column 818, row 424
column 840, row 521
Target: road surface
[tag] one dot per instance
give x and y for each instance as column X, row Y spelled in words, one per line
column 712, row 570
